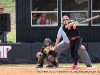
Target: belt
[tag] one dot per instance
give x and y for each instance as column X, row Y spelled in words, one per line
column 73, row 38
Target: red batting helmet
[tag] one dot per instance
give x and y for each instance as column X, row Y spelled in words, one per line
column 65, row 17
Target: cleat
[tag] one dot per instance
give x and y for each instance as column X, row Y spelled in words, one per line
column 39, row 66
column 74, row 67
column 56, row 65
column 89, row 65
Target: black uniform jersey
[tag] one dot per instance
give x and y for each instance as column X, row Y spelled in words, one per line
column 71, row 33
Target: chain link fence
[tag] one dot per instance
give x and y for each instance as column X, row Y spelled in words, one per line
column 9, row 7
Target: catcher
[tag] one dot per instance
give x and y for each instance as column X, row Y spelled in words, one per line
column 48, row 53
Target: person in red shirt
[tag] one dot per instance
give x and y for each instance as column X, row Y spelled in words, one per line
column 54, row 17
column 43, row 19
column 1, row 10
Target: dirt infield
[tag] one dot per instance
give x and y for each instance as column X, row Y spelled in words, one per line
column 49, row 71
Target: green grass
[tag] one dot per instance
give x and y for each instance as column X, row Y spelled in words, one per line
column 12, row 35
column 81, row 64
column 7, row 4
column 34, row 65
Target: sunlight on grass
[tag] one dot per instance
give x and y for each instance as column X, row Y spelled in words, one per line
column 80, row 64
column 12, row 35
column 34, row 65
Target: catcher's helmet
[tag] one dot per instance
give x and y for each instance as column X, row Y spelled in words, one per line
column 65, row 17
column 47, row 40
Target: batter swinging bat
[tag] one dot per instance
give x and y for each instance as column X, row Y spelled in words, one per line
column 90, row 19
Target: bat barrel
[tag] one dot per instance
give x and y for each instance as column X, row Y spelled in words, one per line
column 90, row 19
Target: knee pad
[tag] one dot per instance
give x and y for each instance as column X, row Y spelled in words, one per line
column 51, row 58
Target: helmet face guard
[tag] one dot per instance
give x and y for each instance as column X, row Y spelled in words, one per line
column 65, row 18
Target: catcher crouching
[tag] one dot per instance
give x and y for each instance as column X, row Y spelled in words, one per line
column 48, row 53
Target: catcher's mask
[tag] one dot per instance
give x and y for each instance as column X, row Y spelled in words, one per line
column 47, row 40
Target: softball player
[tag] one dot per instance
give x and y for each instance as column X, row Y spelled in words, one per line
column 74, row 37
column 65, row 44
column 48, row 53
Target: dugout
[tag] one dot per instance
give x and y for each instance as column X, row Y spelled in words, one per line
column 29, row 32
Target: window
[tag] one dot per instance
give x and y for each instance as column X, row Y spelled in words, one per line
column 73, row 5
column 96, row 11
column 95, row 4
column 44, row 13
column 76, row 9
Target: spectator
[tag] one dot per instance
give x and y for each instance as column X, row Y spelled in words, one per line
column 35, row 16
column 3, row 34
column 1, row 10
column 83, row 15
column 54, row 18
column 43, row 19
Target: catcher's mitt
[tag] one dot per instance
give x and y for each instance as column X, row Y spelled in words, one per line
column 47, row 49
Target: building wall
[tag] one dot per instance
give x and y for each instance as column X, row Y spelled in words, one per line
column 26, row 33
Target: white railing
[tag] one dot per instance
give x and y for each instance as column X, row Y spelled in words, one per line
column 86, row 24
column 44, row 25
